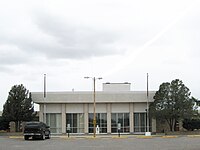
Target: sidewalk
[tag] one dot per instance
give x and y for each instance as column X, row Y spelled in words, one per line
column 103, row 136
column 113, row 136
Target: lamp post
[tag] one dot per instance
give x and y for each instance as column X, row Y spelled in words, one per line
column 44, row 115
column 148, row 133
column 94, row 103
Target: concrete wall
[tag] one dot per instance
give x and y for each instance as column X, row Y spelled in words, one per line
column 100, row 108
column 74, row 108
column 87, row 97
column 53, row 108
column 140, row 107
column 119, row 108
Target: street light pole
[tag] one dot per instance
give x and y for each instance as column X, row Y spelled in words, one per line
column 148, row 133
column 94, row 109
column 44, row 114
column 147, row 102
column 94, row 103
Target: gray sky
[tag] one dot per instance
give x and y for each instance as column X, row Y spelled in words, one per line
column 119, row 40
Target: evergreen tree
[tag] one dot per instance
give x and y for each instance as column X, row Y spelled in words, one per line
column 173, row 102
column 19, row 106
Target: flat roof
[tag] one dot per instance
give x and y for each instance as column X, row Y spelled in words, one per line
column 87, row 97
column 117, row 83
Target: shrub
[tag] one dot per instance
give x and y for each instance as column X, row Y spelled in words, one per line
column 191, row 124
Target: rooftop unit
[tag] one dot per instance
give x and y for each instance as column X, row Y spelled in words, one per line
column 116, row 86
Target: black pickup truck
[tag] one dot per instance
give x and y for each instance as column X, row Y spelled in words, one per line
column 36, row 130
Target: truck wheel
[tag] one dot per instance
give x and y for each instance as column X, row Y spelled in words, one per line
column 43, row 136
column 26, row 137
column 49, row 136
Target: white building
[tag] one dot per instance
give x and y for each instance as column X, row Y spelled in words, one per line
column 115, row 104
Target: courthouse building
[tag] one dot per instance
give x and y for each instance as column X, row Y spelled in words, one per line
column 115, row 104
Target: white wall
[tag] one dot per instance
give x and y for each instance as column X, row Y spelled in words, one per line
column 74, row 108
column 119, row 108
column 100, row 108
column 139, row 107
column 53, row 108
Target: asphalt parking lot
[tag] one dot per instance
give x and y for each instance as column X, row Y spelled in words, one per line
column 103, row 143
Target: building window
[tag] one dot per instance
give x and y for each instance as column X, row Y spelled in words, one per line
column 140, row 122
column 76, row 122
column 123, row 119
column 101, row 122
column 55, row 122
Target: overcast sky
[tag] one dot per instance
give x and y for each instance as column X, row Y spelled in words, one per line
column 119, row 40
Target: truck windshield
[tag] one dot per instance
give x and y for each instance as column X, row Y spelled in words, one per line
column 32, row 124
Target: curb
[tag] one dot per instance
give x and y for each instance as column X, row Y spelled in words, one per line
column 92, row 138
column 144, row 137
column 121, row 137
column 167, row 137
column 193, row 136
column 68, row 138
column 16, row 137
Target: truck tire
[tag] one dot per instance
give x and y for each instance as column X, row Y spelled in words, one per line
column 49, row 136
column 43, row 136
column 26, row 137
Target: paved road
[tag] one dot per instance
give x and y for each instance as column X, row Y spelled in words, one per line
column 155, row 143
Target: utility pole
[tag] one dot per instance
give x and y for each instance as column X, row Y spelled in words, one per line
column 94, row 103
column 44, row 116
column 148, row 133
column 147, row 102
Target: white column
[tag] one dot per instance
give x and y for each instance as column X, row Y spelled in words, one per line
column 131, row 117
column 45, row 113
column 86, row 111
column 109, row 118
column 41, row 113
column 63, row 118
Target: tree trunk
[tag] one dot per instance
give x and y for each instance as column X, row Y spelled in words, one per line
column 17, row 125
column 171, row 123
column 171, row 126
